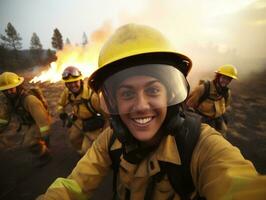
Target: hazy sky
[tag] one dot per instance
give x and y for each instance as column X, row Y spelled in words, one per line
column 202, row 28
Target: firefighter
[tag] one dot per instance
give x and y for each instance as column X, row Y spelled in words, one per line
column 33, row 116
column 211, row 99
column 85, row 121
column 156, row 149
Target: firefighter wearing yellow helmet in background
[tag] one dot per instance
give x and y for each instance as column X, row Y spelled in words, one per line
column 148, row 145
column 211, row 99
column 34, row 119
column 85, row 122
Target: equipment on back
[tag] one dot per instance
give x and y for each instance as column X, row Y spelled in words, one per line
column 25, row 116
column 36, row 91
column 96, row 121
column 206, row 94
column 186, row 137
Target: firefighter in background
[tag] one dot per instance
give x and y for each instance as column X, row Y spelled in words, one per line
column 32, row 113
column 211, row 99
column 4, row 112
column 85, row 122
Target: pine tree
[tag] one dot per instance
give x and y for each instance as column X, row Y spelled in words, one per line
column 84, row 39
column 35, row 43
column 36, row 48
column 12, row 40
column 68, row 41
column 57, row 41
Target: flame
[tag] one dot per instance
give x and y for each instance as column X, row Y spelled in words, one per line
column 83, row 57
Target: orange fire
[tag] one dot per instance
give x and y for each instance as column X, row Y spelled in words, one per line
column 82, row 57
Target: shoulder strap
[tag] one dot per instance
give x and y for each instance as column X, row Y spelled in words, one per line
column 115, row 157
column 179, row 175
column 89, row 104
column 186, row 139
column 207, row 85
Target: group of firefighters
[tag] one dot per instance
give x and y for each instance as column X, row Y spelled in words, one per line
column 138, row 102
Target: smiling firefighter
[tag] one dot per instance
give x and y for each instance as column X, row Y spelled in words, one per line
column 85, row 121
column 157, row 150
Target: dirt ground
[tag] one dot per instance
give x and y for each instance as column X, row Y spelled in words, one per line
column 21, row 180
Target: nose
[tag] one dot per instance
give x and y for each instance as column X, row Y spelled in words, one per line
column 141, row 103
column 10, row 91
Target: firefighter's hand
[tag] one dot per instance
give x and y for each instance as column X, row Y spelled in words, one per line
column 63, row 116
column 46, row 139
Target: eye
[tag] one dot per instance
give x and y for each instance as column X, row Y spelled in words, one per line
column 153, row 91
column 126, row 94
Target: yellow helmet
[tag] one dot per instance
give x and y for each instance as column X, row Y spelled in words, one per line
column 227, row 70
column 132, row 45
column 71, row 74
column 9, row 80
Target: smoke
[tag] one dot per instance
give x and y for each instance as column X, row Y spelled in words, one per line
column 211, row 33
column 102, row 33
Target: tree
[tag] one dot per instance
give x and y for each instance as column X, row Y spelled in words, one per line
column 36, row 48
column 12, row 40
column 68, row 41
column 50, row 56
column 35, row 43
column 57, row 41
column 84, row 39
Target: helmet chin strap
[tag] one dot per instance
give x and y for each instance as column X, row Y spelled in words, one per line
column 135, row 151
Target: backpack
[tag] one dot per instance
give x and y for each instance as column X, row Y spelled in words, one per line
column 36, row 91
column 96, row 121
column 206, row 94
column 25, row 117
column 179, row 175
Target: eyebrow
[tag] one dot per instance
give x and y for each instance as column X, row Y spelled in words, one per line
column 130, row 86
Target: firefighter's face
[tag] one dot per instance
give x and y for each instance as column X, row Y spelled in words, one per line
column 11, row 93
column 74, row 86
column 142, row 105
column 224, row 80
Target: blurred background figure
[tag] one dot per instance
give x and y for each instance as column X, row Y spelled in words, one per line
column 85, row 121
column 30, row 108
column 211, row 99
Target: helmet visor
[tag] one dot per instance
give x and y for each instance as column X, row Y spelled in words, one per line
column 149, row 86
column 71, row 72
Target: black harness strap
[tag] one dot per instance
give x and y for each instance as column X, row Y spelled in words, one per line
column 179, row 175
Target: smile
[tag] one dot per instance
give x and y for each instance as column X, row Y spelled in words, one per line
column 144, row 120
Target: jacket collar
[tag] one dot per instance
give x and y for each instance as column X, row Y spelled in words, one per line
column 166, row 152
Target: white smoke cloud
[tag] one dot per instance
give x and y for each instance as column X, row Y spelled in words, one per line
column 211, row 32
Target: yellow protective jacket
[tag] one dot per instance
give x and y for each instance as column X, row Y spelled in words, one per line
column 5, row 112
column 214, row 106
column 218, row 169
column 30, row 111
column 77, row 102
column 38, row 112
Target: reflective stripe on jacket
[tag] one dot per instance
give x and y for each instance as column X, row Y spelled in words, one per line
column 38, row 113
column 218, row 169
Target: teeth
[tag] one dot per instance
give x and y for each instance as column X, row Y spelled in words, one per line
column 143, row 120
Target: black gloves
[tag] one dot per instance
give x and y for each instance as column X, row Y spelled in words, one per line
column 63, row 116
